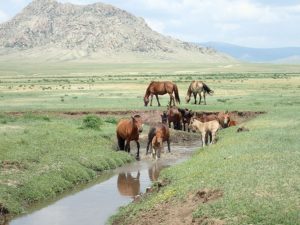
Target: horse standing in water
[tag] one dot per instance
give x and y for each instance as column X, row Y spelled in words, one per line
column 160, row 88
column 157, row 136
column 129, row 130
column 198, row 87
column 175, row 117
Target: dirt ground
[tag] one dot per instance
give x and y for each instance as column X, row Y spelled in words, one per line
column 179, row 213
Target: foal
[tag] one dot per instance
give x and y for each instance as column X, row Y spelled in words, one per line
column 156, row 136
column 211, row 126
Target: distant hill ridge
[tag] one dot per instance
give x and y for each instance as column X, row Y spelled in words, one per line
column 47, row 29
column 275, row 55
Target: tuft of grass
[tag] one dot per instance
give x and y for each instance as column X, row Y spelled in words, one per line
column 92, row 122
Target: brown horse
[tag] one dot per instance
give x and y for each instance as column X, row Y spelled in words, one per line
column 160, row 88
column 222, row 117
column 211, row 127
column 156, row 136
column 186, row 117
column 129, row 185
column 196, row 88
column 232, row 123
column 175, row 117
column 129, row 130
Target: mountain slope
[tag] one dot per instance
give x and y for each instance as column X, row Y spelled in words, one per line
column 46, row 29
column 285, row 55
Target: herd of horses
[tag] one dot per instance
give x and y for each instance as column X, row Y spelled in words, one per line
column 180, row 119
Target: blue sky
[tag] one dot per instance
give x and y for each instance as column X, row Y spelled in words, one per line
column 253, row 23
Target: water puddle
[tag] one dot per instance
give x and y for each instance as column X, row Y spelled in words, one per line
column 95, row 202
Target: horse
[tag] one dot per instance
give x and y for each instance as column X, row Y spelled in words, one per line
column 129, row 130
column 160, row 88
column 156, row 136
column 129, row 185
column 211, row 126
column 175, row 117
column 186, row 117
column 198, row 87
column 222, row 117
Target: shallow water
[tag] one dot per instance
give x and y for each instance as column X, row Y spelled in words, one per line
column 95, row 202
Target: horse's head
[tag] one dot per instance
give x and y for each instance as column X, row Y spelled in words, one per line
column 138, row 122
column 187, row 98
column 226, row 119
column 192, row 124
column 164, row 117
column 146, row 100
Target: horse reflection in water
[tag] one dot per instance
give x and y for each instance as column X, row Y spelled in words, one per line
column 154, row 171
column 129, row 185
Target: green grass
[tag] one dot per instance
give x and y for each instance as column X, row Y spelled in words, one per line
column 42, row 156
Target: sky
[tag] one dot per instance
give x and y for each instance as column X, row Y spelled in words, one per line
column 252, row 23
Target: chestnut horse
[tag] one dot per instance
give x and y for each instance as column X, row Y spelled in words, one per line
column 186, row 117
column 222, row 117
column 211, row 127
column 160, row 88
column 198, row 87
column 129, row 130
column 156, row 136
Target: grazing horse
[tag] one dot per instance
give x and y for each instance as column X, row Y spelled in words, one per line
column 129, row 130
column 186, row 117
column 156, row 136
column 198, row 87
column 211, row 126
column 175, row 117
column 129, row 185
column 160, row 88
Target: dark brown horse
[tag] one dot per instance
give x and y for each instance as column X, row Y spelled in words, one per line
column 196, row 88
column 156, row 136
column 129, row 130
column 129, row 185
column 186, row 117
column 175, row 117
column 160, row 88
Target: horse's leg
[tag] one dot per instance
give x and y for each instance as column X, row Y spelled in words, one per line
column 204, row 98
column 203, row 134
column 195, row 97
column 138, row 150
column 157, row 100
column 183, row 126
column 213, row 137
column 151, row 99
column 168, row 142
column 172, row 99
column 200, row 96
column 127, row 146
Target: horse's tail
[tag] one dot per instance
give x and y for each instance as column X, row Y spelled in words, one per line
column 176, row 94
column 207, row 89
column 121, row 143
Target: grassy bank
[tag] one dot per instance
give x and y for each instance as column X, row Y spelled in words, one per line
column 41, row 156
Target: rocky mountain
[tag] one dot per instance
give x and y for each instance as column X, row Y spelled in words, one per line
column 49, row 30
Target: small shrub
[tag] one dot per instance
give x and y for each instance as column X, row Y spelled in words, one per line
column 92, row 122
column 111, row 120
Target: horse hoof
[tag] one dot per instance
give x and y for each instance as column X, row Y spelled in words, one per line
column 138, row 158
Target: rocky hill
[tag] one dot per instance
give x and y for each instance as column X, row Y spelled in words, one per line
column 49, row 30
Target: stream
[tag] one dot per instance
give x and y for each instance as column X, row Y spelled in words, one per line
column 95, row 202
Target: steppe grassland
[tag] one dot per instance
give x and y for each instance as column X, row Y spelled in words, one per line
column 32, row 143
